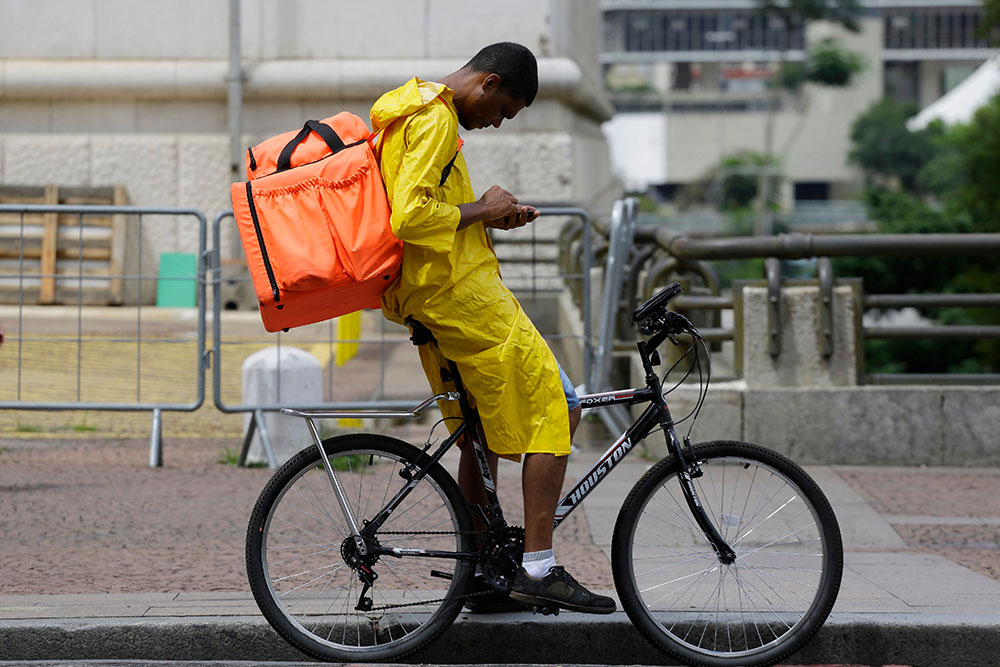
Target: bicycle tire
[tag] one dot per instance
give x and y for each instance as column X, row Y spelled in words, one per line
column 296, row 560
column 762, row 607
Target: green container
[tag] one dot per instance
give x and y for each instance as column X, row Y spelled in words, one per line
column 176, row 287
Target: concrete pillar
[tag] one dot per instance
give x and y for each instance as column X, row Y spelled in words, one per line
column 800, row 361
column 285, row 376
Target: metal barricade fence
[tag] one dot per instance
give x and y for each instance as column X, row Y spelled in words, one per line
column 385, row 373
column 103, row 359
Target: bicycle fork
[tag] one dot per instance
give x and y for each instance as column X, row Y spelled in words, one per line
column 689, row 471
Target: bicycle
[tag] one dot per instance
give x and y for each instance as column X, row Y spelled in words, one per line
column 724, row 553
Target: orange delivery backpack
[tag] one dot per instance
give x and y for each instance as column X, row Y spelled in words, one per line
column 314, row 221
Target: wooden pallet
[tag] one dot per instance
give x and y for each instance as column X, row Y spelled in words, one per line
column 48, row 258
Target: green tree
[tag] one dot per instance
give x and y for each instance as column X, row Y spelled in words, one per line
column 990, row 26
column 979, row 145
column 886, row 150
column 959, row 166
column 826, row 65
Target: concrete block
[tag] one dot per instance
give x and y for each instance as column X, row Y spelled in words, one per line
column 374, row 29
column 263, row 119
column 286, row 376
column 800, row 362
column 179, row 29
column 181, row 116
column 145, row 164
column 459, row 34
column 47, row 29
column 42, row 159
column 203, row 182
column 535, row 167
column 25, row 116
column 85, row 117
column 859, row 425
column 569, row 348
column 971, row 418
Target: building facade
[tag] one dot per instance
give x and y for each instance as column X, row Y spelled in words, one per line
column 690, row 75
column 137, row 95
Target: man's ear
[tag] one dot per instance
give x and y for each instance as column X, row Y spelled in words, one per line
column 491, row 81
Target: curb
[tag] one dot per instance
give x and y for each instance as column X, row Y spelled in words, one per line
column 965, row 640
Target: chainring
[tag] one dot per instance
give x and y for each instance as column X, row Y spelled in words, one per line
column 500, row 556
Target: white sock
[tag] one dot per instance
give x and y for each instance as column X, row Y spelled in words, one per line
column 537, row 563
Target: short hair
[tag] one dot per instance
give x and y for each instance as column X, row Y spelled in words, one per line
column 514, row 64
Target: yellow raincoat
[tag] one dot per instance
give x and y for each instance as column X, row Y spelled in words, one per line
column 450, row 280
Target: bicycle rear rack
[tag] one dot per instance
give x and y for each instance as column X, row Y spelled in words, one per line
column 412, row 413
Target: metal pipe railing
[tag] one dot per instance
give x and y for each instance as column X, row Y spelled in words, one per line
column 683, row 250
column 799, row 245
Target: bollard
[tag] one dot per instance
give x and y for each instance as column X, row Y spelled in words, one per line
column 282, row 376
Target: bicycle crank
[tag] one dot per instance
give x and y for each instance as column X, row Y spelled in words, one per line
column 500, row 556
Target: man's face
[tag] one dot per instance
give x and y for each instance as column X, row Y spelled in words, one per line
column 490, row 107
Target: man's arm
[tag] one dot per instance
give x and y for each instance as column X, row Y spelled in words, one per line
column 498, row 209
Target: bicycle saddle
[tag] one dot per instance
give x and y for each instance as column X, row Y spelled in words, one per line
column 419, row 334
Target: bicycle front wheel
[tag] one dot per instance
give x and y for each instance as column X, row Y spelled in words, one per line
column 754, row 611
column 299, row 548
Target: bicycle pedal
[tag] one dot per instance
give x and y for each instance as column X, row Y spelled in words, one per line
column 545, row 610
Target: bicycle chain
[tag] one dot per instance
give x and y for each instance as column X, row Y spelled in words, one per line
column 431, row 532
column 423, row 602
column 466, row 596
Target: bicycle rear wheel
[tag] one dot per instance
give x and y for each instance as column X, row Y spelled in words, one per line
column 298, row 543
column 755, row 611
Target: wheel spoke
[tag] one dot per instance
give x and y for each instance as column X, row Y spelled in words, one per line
column 753, row 610
column 313, row 593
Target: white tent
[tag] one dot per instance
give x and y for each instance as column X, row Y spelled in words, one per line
column 960, row 103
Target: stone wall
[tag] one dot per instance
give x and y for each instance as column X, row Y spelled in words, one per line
column 114, row 92
column 867, row 425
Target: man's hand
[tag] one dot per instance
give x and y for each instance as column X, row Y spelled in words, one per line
column 523, row 216
column 498, row 209
column 497, row 203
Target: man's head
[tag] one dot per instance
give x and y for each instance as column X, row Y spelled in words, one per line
column 502, row 79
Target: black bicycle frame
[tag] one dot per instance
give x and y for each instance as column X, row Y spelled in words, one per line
column 657, row 414
column 639, row 429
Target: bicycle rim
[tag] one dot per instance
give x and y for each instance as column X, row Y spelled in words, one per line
column 772, row 598
column 314, row 595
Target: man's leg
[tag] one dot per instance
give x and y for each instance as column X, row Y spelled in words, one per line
column 542, row 478
column 548, row 585
column 470, row 481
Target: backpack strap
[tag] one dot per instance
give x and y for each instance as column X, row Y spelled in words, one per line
column 447, row 168
column 375, row 142
column 325, row 132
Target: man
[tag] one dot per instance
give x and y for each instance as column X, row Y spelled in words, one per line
column 450, row 282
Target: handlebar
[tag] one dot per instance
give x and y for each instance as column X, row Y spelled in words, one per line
column 652, row 317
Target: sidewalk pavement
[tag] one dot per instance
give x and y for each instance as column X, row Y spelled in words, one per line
column 103, row 557
column 906, row 597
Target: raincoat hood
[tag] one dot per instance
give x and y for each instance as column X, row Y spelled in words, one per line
column 406, row 100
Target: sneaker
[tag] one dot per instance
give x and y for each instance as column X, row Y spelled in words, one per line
column 494, row 602
column 558, row 588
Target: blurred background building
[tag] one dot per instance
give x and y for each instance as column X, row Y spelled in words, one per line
column 688, row 80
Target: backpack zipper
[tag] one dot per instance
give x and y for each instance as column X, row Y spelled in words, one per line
column 253, row 162
column 263, row 248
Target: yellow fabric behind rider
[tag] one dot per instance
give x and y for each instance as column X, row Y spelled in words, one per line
column 450, row 280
